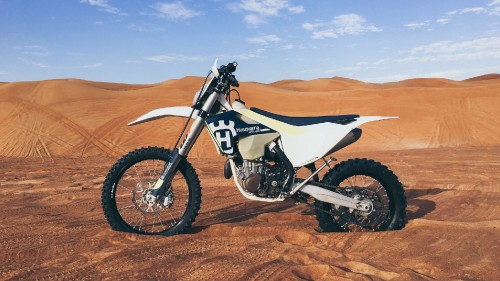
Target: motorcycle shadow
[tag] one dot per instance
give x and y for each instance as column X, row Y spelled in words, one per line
column 237, row 213
column 419, row 207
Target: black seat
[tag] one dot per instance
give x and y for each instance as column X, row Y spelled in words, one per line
column 304, row 121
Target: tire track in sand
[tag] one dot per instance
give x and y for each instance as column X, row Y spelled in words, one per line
column 68, row 123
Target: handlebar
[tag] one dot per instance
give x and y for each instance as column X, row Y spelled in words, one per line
column 233, row 81
column 226, row 73
column 229, row 68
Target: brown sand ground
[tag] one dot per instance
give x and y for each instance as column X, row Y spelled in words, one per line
column 52, row 227
column 445, row 148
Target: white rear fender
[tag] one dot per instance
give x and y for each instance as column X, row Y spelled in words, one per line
column 179, row 111
column 365, row 119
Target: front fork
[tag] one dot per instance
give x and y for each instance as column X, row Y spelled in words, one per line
column 163, row 184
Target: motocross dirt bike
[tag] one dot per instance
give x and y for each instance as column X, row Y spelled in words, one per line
column 154, row 190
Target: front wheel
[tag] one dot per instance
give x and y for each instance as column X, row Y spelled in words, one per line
column 124, row 199
column 363, row 179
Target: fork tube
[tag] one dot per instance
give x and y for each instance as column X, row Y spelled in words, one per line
column 163, row 183
column 195, row 130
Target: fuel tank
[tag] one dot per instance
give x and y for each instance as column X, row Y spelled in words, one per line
column 233, row 132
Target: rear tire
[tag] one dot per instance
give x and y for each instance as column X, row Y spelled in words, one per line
column 128, row 180
column 364, row 179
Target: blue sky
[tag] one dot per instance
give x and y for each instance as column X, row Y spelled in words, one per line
column 140, row 41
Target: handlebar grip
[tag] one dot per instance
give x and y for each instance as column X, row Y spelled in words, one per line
column 231, row 67
column 233, row 81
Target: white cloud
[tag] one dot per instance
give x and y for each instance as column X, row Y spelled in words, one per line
column 173, row 58
column 33, row 50
column 322, row 34
column 443, row 20
column 309, row 26
column 359, row 66
column 348, row 24
column 474, row 10
column 353, row 24
column 296, row 9
column 254, row 20
column 264, row 40
column 478, row 55
column 263, row 7
column 243, row 56
column 463, row 46
column 104, row 6
column 174, row 11
column 288, row 47
column 34, row 63
column 258, row 10
column 478, row 49
column 492, row 9
column 143, row 28
column 95, row 65
column 417, row 25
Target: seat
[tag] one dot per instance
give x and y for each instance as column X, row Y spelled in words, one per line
column 305, row 121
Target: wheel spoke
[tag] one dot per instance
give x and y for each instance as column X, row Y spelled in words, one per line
column 148, row 217
column 356, row 220
column 126, row 208
column 373, row 180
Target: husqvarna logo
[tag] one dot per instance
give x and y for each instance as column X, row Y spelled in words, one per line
column 224, row 132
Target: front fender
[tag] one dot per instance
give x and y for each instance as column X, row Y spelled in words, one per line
column 179, row 111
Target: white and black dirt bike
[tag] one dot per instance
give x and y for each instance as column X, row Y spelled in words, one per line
column 154, row 190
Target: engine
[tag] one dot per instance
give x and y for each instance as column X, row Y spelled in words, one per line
column 262, row 178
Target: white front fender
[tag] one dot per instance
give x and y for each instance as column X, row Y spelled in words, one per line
column 180, row 111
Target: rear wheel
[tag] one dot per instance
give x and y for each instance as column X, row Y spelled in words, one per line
column 124, row 199
column 363, row 179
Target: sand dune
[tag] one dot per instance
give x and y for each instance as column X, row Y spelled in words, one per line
column 484, row 77
column 75, row 118
column 423, row 83
column 321, row 84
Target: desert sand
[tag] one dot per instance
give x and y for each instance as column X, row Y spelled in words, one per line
column 58, row 139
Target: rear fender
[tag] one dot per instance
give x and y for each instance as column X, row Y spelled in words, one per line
column 365, row 119
column 179, row 111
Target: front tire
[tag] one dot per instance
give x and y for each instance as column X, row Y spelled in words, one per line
column 363, row 179
column 123, row 196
